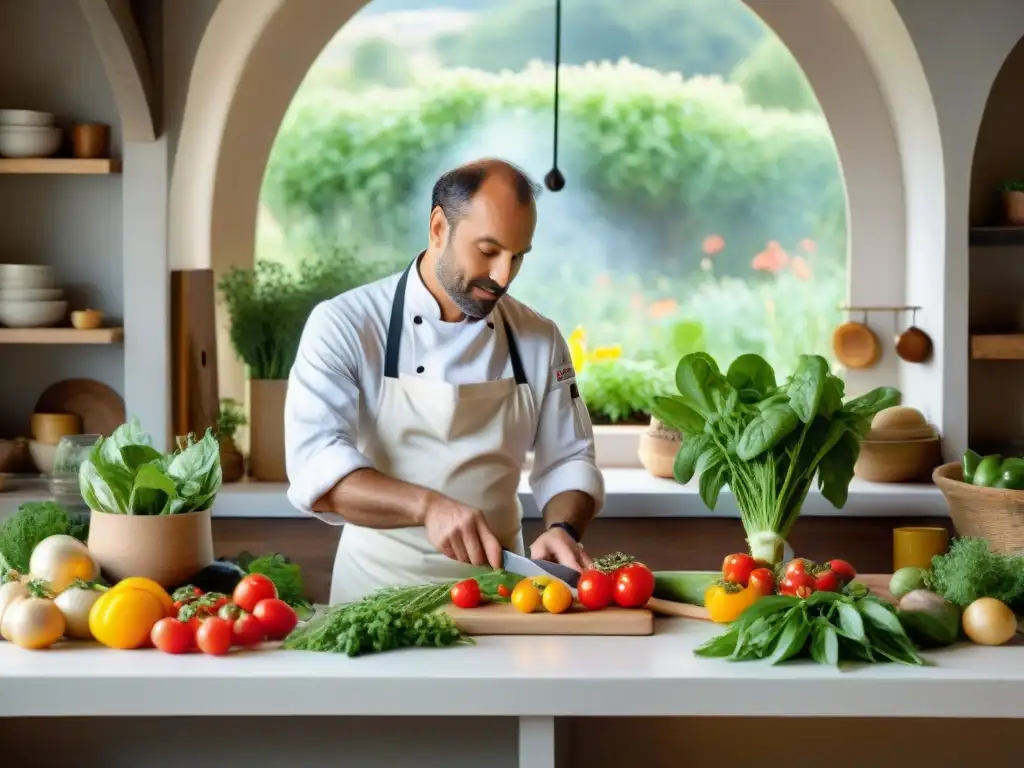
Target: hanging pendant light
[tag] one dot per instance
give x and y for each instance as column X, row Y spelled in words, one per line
column 554, row 180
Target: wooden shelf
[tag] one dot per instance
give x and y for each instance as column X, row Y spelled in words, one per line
column 61, row 336
column 54, row 165
column 998, row 347
column 997, row 236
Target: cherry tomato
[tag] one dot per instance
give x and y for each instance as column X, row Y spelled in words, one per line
column 762, row 580
column 276, row 617
column 797, row 566
column 247, row 630
column 251, row 590
column 797, row 584
column 596, row 589
column 219, row 603
column 172, row 636
column 214, row 636
column 504, row 591
column 466, row 594
column 525, row 596
column 737, row 568
column 827, row 581
column 634, row 585
column 843, row 570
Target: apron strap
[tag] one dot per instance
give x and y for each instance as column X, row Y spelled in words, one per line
column 395, row 327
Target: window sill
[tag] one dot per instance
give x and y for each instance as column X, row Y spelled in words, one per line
column 635, row 493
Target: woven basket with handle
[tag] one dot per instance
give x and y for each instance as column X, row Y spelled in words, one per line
column 993, row 514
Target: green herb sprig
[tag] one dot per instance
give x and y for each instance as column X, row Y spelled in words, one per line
column 970, row 570
column 829, row 627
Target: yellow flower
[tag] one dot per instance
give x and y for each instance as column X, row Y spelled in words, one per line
column 605, row 353
column 581, row 356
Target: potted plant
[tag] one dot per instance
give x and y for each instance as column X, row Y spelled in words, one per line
column 230, row 419
column 150, row 511
column 268, row 307
column 658, row 448
column 1013, row 202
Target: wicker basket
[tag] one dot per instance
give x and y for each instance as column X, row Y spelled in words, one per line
column 993, row 514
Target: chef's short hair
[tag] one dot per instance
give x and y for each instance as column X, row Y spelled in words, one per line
column 454, row 190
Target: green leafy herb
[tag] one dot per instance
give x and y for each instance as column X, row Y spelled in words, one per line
column 829, row 627
column 767, row 441
column 620, row 391
column 286, row 575
column 125, row 475
column 970, row 570
column 22, row 531
column 231, row 417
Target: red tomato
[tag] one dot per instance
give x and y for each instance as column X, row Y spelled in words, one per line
column 466, row 594
column 737, row 568
column 172, row 636
column 214, row 636
column 797, row 566
column 843, row 570
column 596, row 589
column 634, row 585
column 219, row 603
column 762, row 580
column 797, row 584
column 251, row 589
column 827, row 581
column 247, row 630
column 276, row 617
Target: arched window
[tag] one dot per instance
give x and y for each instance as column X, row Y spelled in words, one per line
column 704, row 208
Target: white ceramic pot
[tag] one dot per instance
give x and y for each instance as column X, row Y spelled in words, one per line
column 28, row 141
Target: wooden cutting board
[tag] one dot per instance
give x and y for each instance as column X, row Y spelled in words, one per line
column 503, row 619
column 878, row 583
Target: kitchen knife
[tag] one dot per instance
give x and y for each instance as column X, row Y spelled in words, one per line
column 524, row 566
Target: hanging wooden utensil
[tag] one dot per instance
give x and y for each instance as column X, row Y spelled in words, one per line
column 554, row 180
column 855, row 345
column 913, row 345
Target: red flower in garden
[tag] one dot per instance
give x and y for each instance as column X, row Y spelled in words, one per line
column 713, row 244
column 801, row 268
column 772, row 259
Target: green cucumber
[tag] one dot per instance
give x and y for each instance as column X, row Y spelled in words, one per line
column 684, row 586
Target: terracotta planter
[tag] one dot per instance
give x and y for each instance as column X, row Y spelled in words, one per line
column 658, row 448
column 169, row 549
column 1013, row 203
column 232, row 463
column 266, row 430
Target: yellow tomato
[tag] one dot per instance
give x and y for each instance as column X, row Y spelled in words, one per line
column 556, row 598
column 123, row 618
column 146, row 585
column 525, row 596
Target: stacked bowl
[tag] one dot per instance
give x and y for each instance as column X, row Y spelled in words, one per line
column 24, row 133
column 28, row 298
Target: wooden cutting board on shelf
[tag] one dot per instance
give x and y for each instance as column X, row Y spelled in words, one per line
column 878, row 583
column 503, row 619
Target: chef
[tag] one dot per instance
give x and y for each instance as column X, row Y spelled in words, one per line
column 414, row 400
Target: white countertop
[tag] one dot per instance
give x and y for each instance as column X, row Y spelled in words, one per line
column 545, row 676
column 630, row 493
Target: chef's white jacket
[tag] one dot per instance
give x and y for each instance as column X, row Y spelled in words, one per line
column 334, row 384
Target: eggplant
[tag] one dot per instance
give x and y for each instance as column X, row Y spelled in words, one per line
column 219, row 576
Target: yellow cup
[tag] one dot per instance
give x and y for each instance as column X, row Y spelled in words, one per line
column 917, row 546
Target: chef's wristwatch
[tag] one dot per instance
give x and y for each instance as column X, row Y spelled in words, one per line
column 568, row 528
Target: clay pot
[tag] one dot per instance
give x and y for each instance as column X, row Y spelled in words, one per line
column 232, row 462
column 1013, row 203
column 658, row 448
column 266, row 430
column 166, row 548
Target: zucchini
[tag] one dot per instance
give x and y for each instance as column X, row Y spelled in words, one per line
column 684, row 586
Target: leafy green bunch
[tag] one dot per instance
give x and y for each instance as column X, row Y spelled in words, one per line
column 269, row 306
column 125, row 475
column 767, row 441
column 621, row 390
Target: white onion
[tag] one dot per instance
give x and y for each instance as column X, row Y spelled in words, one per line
column 61, row 559
column 75, row 603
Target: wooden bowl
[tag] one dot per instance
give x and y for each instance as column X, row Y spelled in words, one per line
column 49, row 428
column 897, row 461
column 856, row 346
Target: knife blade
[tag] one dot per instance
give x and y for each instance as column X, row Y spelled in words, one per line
column 524, row 566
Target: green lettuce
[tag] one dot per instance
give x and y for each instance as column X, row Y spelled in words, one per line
column 125, row 475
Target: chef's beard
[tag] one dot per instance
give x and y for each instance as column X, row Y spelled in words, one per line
column 459, row 289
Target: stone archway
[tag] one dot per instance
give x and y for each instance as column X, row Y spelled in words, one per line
column 860, row 61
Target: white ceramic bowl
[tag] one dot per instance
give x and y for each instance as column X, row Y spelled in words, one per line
column 32, row 314
column 21, row 276
column 30, row 294
column 27, row 117
column 42, row 456
column 28, row 141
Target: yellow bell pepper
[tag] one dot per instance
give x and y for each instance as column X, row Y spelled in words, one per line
column 725, row 601
column 123, row 616
column 147, row 585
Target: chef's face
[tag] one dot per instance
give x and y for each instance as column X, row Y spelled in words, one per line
column 484, row 250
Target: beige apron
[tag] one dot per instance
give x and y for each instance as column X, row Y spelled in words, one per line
column 466, row 441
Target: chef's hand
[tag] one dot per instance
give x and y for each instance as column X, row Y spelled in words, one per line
column 461, row 533
column 557, row 546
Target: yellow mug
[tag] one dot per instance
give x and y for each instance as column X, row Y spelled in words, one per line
column 917, row 546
